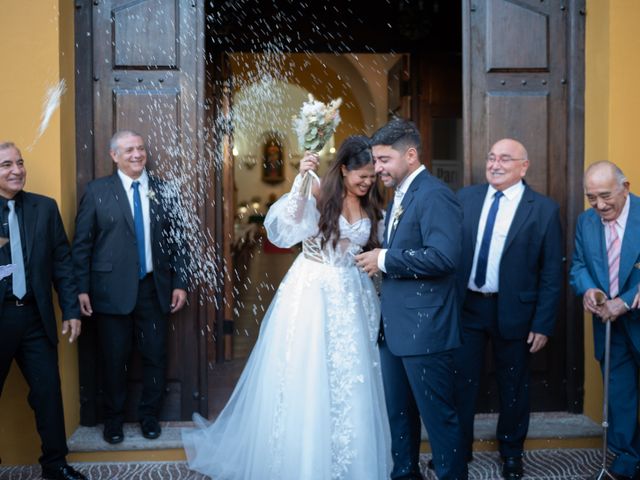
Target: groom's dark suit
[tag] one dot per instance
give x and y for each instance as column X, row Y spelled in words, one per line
column 106, row 265
column 420, row 318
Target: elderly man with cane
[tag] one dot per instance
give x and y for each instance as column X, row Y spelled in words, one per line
column 606, row 273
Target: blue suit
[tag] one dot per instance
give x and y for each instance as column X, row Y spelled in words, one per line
column 590, row 270
column 530, row 284
column 420, row 325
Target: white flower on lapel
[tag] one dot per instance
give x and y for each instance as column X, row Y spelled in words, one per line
column 151, row 195
column 396, row 217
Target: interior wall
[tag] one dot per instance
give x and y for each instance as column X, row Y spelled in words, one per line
column 359, row 79
column 33, row 62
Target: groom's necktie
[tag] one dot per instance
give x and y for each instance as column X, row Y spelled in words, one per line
column 613, row 256
column 483, row 255
column 138, row 222
column 397, row 205
column 19, row 281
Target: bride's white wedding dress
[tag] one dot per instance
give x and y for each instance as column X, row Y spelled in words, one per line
column 310, row 402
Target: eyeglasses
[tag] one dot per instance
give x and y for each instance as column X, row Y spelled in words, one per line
column 502, row 159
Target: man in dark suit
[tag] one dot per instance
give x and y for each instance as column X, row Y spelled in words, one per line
column 420, row 317
column 606, row 263
column 131, row 275
column 510, row 280
column 38, row 249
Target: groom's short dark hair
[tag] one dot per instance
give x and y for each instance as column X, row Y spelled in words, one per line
column 400, row 134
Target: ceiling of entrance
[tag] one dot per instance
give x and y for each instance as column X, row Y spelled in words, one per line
column 336, row 26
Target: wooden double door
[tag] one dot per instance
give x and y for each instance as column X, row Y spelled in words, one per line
column 156, row 66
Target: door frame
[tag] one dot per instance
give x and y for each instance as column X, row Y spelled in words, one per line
column 574, row 315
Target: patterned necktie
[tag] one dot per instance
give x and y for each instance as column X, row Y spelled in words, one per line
column 395, row 212
column 138, row 222
column 483, row 255
column 19, row 280
column 613, row 254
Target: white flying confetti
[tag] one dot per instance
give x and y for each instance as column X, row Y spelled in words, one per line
column 49, row 106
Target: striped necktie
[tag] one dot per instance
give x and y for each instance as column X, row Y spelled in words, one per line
column 613, row 255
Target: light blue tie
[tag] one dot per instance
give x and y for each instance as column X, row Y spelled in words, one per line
column 138, row 222
column 19, row 281
column 483, row 255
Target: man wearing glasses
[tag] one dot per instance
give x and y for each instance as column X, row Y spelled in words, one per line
column 606, row 272
column 510, row 280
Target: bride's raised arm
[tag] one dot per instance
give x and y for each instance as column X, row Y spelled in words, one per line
column 294, row 217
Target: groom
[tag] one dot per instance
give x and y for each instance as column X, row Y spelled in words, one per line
column 420, row 313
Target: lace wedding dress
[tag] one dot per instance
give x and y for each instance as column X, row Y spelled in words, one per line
column 309, row 403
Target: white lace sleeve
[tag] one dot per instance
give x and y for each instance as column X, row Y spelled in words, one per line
column 293, row 218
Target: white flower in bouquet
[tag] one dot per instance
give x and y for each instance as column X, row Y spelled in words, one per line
column 317, row 123
column 315, row 126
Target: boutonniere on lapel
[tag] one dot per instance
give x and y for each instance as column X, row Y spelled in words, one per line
column 396, row 217
column 637, row 265
column 151, row 195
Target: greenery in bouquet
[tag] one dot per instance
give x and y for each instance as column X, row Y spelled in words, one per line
column 317, row 123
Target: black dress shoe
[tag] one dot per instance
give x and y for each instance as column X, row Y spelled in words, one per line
column 150, row 428
column 65, row 472
column 512, row 468
column 112, row 432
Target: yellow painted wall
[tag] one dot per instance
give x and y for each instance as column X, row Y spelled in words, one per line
column 612, row 102
column 37, row 52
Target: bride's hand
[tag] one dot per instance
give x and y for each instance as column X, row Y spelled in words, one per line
column 310, row 161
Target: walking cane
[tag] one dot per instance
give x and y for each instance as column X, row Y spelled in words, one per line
column 604, row 473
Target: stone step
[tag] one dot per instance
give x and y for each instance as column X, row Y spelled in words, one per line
column 544, row 425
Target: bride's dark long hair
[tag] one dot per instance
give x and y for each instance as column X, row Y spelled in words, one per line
column 354, row 153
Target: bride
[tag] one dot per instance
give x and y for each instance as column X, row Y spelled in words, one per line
column 310, row 401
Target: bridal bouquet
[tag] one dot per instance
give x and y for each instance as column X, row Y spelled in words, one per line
column 315, row 125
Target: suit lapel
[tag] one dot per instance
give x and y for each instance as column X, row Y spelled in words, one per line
column 407, row 200
column 599, row 253
column 121, row 198
column 630, row 245
column 474, row 214
column 30, row 219
column 522, row 214
column 154, row 206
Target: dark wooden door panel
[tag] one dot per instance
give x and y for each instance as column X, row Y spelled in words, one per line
column 148, row 77
column 515, row 85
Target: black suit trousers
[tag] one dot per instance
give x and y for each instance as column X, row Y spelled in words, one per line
column 511, row 359
column 23, row 338
column 147, row 327
column 421, row 386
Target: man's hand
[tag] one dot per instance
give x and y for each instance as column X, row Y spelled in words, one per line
column 178, row 299
column 85, row 304
column 368, row 261
column 612, row 309
column 593, row 299
column 73, row 326
column 537, row 341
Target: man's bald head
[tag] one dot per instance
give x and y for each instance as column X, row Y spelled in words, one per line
column 606, row 188
column 507, row 163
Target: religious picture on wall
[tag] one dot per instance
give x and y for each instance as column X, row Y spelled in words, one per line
column 272, row 160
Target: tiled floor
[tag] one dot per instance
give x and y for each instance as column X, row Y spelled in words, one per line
column 540, row 464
